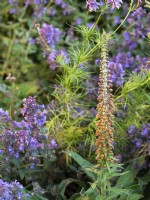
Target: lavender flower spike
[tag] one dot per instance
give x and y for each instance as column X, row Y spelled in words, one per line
column 115, row 3
column 92, row 5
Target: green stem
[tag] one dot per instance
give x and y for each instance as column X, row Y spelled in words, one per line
column 95, row 24
column 9, row 52
column 129, row 11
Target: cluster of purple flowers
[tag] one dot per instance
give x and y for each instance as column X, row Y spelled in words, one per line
column 25, row 140
column 36, row 2
column 139, row 21
column 34, row 114
column 91, row 87
column 14, row 5
column 93, row 5
column 139, row 137
column 117, row 73
column 39, row 6
column 65, row 7
column 115, row 3
column 51, row 37
column 11, row 191
column 50, row 34
column 123, row 62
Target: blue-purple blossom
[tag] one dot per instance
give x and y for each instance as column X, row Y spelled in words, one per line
column 92, row 5
column 131, row 129
column 116, row 20
column 128, row 61
column 52, row 12
column 139, row 21
column 4, row 116
column 65, row 8
column 50, row 34
column 138, row 143
column 33, row 112
column 117, row 73
column 139, row 136
column 78, row 113
column 25, row 140
column 146, row 130
column 11, row 191
column 93, row 111
column 51, row 58
column 53, row 144
column 115, row 3
column 125, row 59
column 36, row 2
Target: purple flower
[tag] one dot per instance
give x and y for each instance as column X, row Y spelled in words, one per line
column 11, row 191
column 78, row 21
column 115, row 3
column 125, row 59
column 126, row 36
column 138, row 143
column 119, row 158
column 50, row 34
column 13, row 10
column 92, row 5
column 52, row 12
column 93, row 111
column 4, row 116
column 33, row 112
column 131, row 129
column 52, row 60
column 53, row 144
column 37, row 2
column 116, row 20
column 146, row 130
column 13, row 2
column 117, row 73
column 58, row 2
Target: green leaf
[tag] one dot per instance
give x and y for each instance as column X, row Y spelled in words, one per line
column 31, row 196
column 22, row 173
column 15, row 161
column 147, row 4
column 18, row 48
column 84, row 164
column 127, row 179
column 64, row 184
column 142, row 182
column 75, row 196
column 120, row 191
column 99, row 197
column 135, row 197
column 26, row 89
column 92, row 191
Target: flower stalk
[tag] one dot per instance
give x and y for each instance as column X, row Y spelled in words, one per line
column 105, row 107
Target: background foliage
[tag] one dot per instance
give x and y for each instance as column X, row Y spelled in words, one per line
column 51, row 50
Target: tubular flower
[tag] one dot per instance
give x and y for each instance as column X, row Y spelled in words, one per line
column 115, row 3
column 105, row 107
column 92, row 5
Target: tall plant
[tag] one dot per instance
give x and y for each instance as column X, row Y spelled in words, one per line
column 105, row 107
